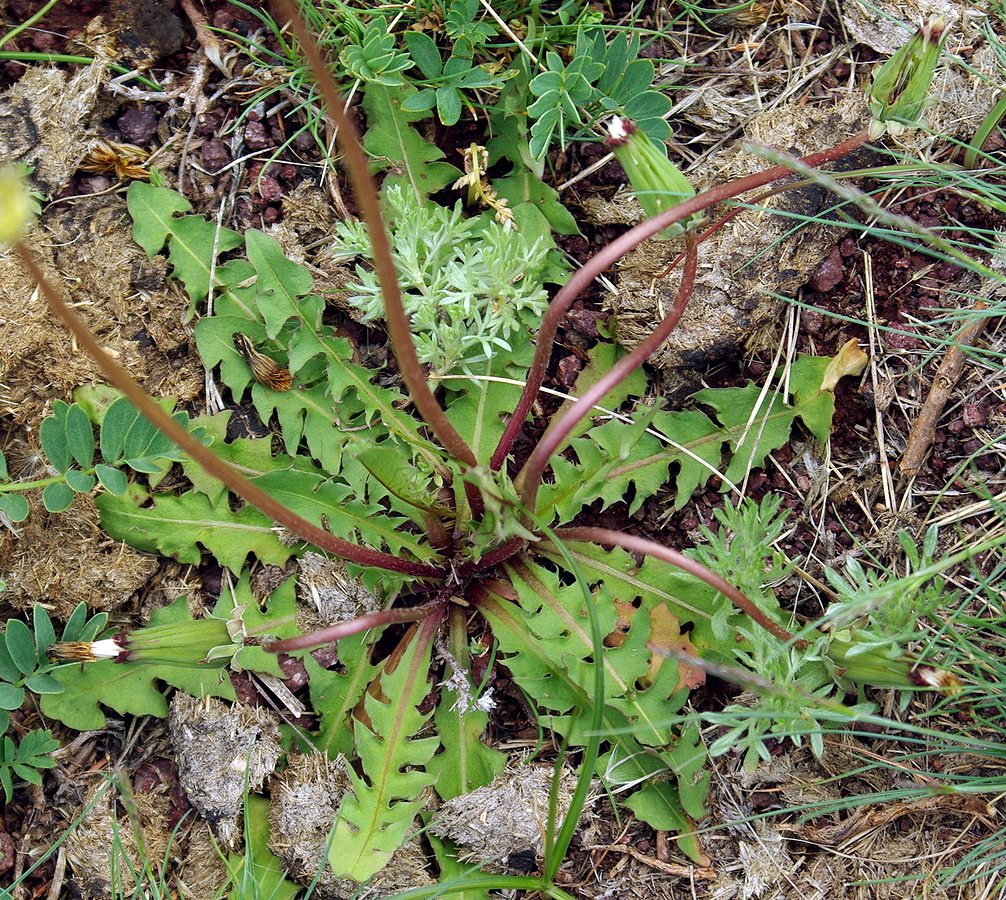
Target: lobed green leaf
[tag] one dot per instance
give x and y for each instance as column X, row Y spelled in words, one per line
column 192, row 240
column 376, row 815
column 396, row 146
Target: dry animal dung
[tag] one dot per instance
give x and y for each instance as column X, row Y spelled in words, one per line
column 506, row 817
column 108, row 844
column 747, row 266
column 223, row 752
column 328, row 593
column 64, row 558
column 304, row 807
column 46, row 120
column 305, row 800
column 124, row 300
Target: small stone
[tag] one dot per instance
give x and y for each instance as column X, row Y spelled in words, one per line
column 294, row 673
column 829, row 272
column 270, row 189
column 215, row 155
column 256, row 137
column 902, row 338
column 582, row 321
column 210, row 123
column 224, row 19
column 974, row 414
column 812, row 321
column 567, row 370
column 956, row 427
column 138, row 126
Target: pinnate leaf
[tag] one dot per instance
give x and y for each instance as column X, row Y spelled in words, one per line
column 753, row 440
column 479, row 408
column 280, row 285
column 465, row 763
column 525, row 187
column 335, row 693
column 397, row 146
column 615, row 462
column 191, row 239
column 181, row 527
column 376, row 814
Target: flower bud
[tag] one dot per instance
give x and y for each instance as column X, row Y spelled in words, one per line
column 17, row 205
column 656, row 181
column 194, row 643
column 900, row 87
column 856, row 660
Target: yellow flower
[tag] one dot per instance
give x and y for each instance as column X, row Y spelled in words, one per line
column 17, row 206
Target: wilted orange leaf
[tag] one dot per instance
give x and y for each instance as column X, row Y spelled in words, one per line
column 666, row 639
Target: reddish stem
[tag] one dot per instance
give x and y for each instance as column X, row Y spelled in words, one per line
column 365, row 191
column 493, row 558
column 610, row 254
column 634, row 544
column 210, row 462
column 529, row 479
column 355, row 626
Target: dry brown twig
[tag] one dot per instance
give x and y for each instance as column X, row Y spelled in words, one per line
column 701, row 872
column 924, row 431
column 207, row 39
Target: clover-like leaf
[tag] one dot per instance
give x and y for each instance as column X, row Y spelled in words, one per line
column 11, row 696
column 14, row 507
column 57, row 497
column 112, row 480
column 45, row 634
column 52, row 436
column 80, row 482
column 20, row 643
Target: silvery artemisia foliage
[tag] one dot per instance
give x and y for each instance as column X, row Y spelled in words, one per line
column 468, row 284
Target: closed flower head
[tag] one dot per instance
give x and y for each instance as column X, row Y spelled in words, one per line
column 657, row 183
column 900, row 87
